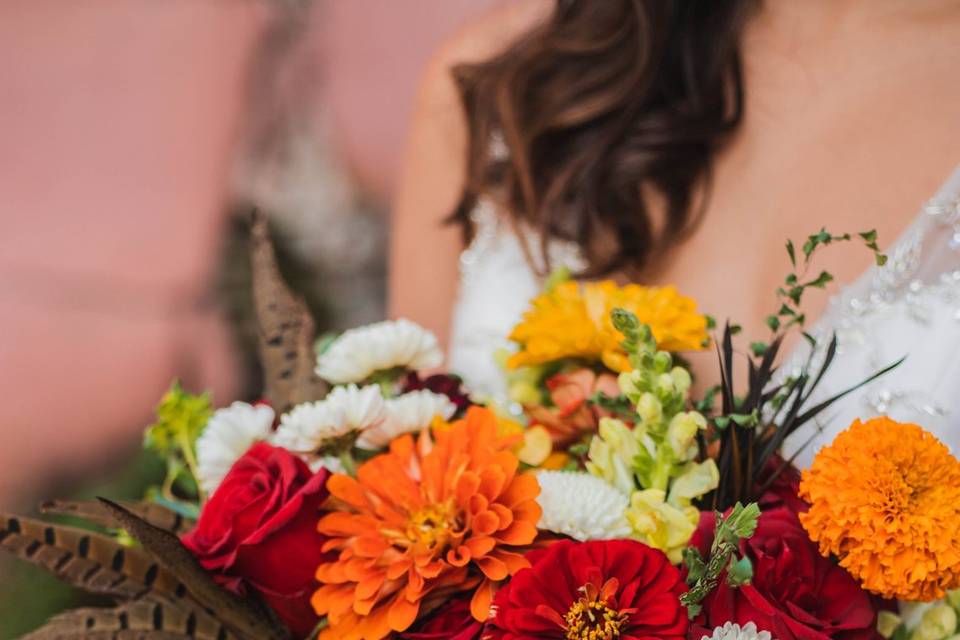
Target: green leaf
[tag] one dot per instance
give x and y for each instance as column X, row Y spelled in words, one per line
column 695, row 564
column 742, row 521
column 559, row 275
column 745, row 419
column 773, row 322
column 735, row 329
column 739, row 572
column 711, row 322
column 181, row 418
column 821, row 281
column 759, row 348
column 792, row 253
column 721, row 422
column 706, row 403
column 869, row 236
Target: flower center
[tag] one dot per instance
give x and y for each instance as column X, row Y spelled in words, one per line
column 432, row 525
column 592, row 617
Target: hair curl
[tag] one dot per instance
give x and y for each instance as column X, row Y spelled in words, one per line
column 604, row 101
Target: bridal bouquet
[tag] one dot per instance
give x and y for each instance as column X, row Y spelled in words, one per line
column 368, row 496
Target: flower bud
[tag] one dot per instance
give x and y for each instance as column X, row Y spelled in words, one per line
column 650, row 410
column 938, row 623
column 681, row 380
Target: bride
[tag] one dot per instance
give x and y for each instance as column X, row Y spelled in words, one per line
column 683, row 142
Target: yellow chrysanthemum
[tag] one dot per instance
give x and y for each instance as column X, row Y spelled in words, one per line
column 885, row 499
column 572, row 320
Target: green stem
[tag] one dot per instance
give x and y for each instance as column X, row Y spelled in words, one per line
column 190, row 458
column 349, row 464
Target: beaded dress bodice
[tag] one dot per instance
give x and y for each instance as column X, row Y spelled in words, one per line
column 909, row 307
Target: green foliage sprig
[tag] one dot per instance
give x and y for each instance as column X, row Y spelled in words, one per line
column 181, row 418
column 752, row 425
column 704, row 574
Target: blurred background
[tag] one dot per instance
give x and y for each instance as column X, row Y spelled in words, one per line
column 135, row 137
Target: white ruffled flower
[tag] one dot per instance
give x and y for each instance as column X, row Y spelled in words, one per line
column 581, row 506
column 359, row 353
column 316, row 429
column 230, row 432
column 732, row 631
column 408, row 413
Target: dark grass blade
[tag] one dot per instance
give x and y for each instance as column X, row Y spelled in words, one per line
column 764, row 373
column 807, row 415
column 827, row 361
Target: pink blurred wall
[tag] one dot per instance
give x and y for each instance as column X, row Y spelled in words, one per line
column 373, row 52
column 117, row 123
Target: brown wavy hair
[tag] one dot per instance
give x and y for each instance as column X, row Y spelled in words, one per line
column 604, row 106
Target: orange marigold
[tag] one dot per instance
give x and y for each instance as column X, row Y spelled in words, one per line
column 885, row 499
column 443, row 514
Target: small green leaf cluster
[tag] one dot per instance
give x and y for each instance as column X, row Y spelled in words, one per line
column 180, row 419
column 704, row 573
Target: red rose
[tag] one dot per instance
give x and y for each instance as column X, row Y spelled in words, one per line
column 795, row 594
column 785, row 488
column 611, row 588
column 453, row 621
column 259, row 531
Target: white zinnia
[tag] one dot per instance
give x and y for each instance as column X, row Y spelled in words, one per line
column 732, row 631
column 359, row 353
column 230, row 432
column 581, row 506
column 408, row 413
column 312, row 428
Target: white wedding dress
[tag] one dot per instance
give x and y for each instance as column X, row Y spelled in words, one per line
column 909, row 307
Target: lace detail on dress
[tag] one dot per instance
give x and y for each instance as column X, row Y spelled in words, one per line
column 910, row 306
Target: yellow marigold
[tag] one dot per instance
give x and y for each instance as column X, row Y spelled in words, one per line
column 885, row 499
column 572, row 320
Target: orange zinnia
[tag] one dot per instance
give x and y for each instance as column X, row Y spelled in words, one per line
column 427, row 519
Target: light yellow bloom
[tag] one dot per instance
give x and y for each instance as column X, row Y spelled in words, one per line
column 696, row 479
column 649, row 410
column 938, row 623
column 572, row 320
column 537, row 446
column 682, row 433
column 612, row 454
column 887, row 623
column 661, row 525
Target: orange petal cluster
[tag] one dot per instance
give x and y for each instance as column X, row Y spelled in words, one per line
column 443, row 514
column 885, row 499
